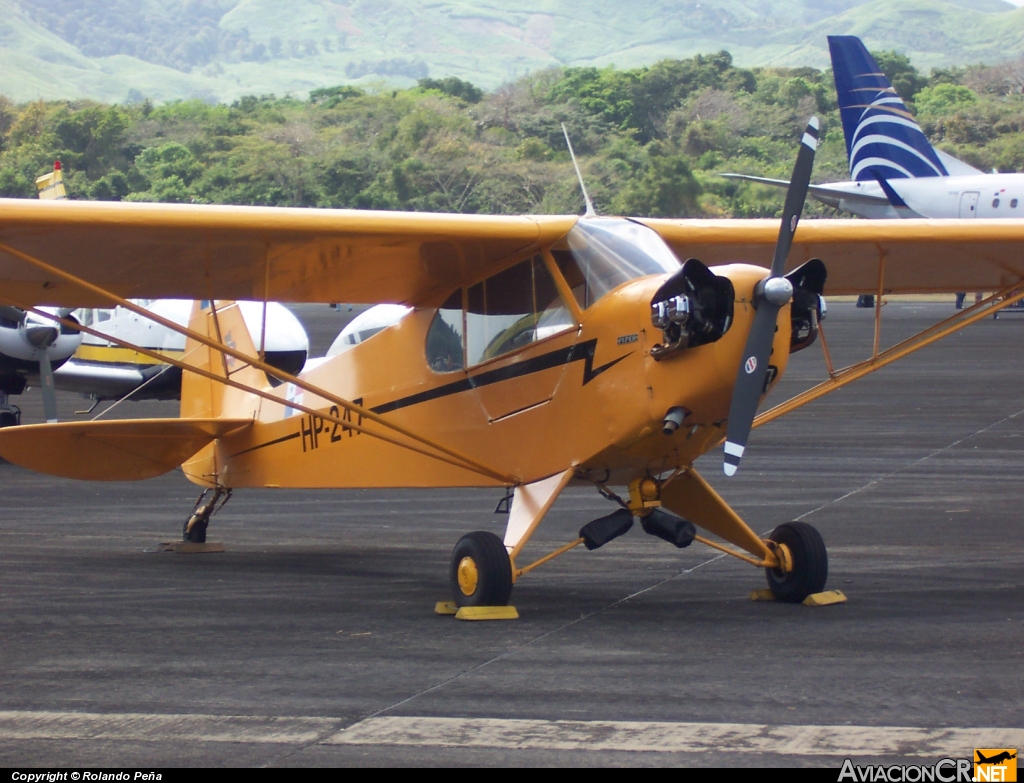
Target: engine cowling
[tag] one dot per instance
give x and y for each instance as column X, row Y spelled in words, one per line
column 808, row 306
column 693, row 307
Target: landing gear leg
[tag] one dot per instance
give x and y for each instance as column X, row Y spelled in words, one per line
column 194, row 531
column 10, row 415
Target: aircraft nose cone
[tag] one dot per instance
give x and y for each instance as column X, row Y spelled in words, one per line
column 778, row 291
column 41, row 336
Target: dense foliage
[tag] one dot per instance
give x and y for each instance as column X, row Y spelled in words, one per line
column 651, row 140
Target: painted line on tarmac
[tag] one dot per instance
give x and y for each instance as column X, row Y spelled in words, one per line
column 662, row 737
column 644, row 736
column 136, row 727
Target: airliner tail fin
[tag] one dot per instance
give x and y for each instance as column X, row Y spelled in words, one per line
column 883, row 140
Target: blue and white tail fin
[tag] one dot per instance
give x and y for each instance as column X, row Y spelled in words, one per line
column 883, row 140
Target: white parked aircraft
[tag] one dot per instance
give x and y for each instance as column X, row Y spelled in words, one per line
column 103, row 371
column 35, row 353
column 894, row 170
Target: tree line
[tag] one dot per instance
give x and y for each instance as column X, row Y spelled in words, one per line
column 651, row 140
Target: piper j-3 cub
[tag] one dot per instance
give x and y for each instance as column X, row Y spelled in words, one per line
column 539, row 351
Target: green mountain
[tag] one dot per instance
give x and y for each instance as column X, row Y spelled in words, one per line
column 119, row 50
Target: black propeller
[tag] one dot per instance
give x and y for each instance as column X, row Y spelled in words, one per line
column 770, row 295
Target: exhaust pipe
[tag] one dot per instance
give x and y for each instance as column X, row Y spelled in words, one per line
column 674, row 419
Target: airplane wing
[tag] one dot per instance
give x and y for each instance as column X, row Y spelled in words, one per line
column 185, row 251
column 911, row 256
column 103, row 380
column 312, row 255
column 824, row 192
column 113, row 382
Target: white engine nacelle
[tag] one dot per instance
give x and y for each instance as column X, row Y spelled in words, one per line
column 19, row 341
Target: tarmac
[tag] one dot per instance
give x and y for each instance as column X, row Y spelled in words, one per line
column 312, row 640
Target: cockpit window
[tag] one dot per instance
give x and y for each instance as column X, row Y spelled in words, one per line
column 513, row 309
column 600, row 254
column 444, row 337
column 89, row 316
column 503, row 313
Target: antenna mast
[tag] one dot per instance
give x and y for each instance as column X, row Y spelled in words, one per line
column 586, row 197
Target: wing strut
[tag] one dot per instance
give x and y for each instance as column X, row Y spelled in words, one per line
column 470, row 466
column 461, row 460
column 839, row 378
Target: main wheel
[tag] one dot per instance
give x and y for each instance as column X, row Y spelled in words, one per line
column 481, row 571
column 810, row 563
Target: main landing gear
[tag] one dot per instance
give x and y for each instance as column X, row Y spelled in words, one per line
column 10, row 415
column 194, row 531
column 484, row 567
column 481, row 572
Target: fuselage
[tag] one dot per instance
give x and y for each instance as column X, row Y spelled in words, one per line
column 586, row 391
column 976, row 196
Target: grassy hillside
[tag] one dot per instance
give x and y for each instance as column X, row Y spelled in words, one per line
column 117, row 50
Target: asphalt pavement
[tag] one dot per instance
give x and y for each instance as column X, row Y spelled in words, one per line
column 312, row 639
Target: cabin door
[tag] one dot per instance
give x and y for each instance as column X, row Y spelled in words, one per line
column 969, row 204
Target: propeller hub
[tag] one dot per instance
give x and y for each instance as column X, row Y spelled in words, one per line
column 778, row 291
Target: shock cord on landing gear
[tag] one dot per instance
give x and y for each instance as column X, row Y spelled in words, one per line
column 607, row 494
column 195, row 527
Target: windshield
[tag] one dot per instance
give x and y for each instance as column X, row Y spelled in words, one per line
column 600, row 254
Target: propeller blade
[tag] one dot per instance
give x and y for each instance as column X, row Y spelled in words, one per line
column 9, row 313
column 746, row 392
column 770, row 296
column 796, row 195
column 41, row 338
column 46, row 385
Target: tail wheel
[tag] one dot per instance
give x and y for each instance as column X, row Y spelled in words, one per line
column 197, row 534
column 810, row 563
column 481, row 571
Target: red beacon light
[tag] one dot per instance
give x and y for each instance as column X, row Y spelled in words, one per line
column 56, row 165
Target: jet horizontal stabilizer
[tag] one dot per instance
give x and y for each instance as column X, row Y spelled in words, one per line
column 824, row 193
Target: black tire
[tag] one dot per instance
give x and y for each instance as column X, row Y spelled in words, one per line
column 489, row 562
column 198, row 533
column 810, row 563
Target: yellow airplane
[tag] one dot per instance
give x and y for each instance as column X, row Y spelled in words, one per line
column 538, row 352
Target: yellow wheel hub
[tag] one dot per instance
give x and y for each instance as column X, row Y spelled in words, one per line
column 468, row 576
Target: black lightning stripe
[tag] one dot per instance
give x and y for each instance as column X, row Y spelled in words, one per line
column 579, row 352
